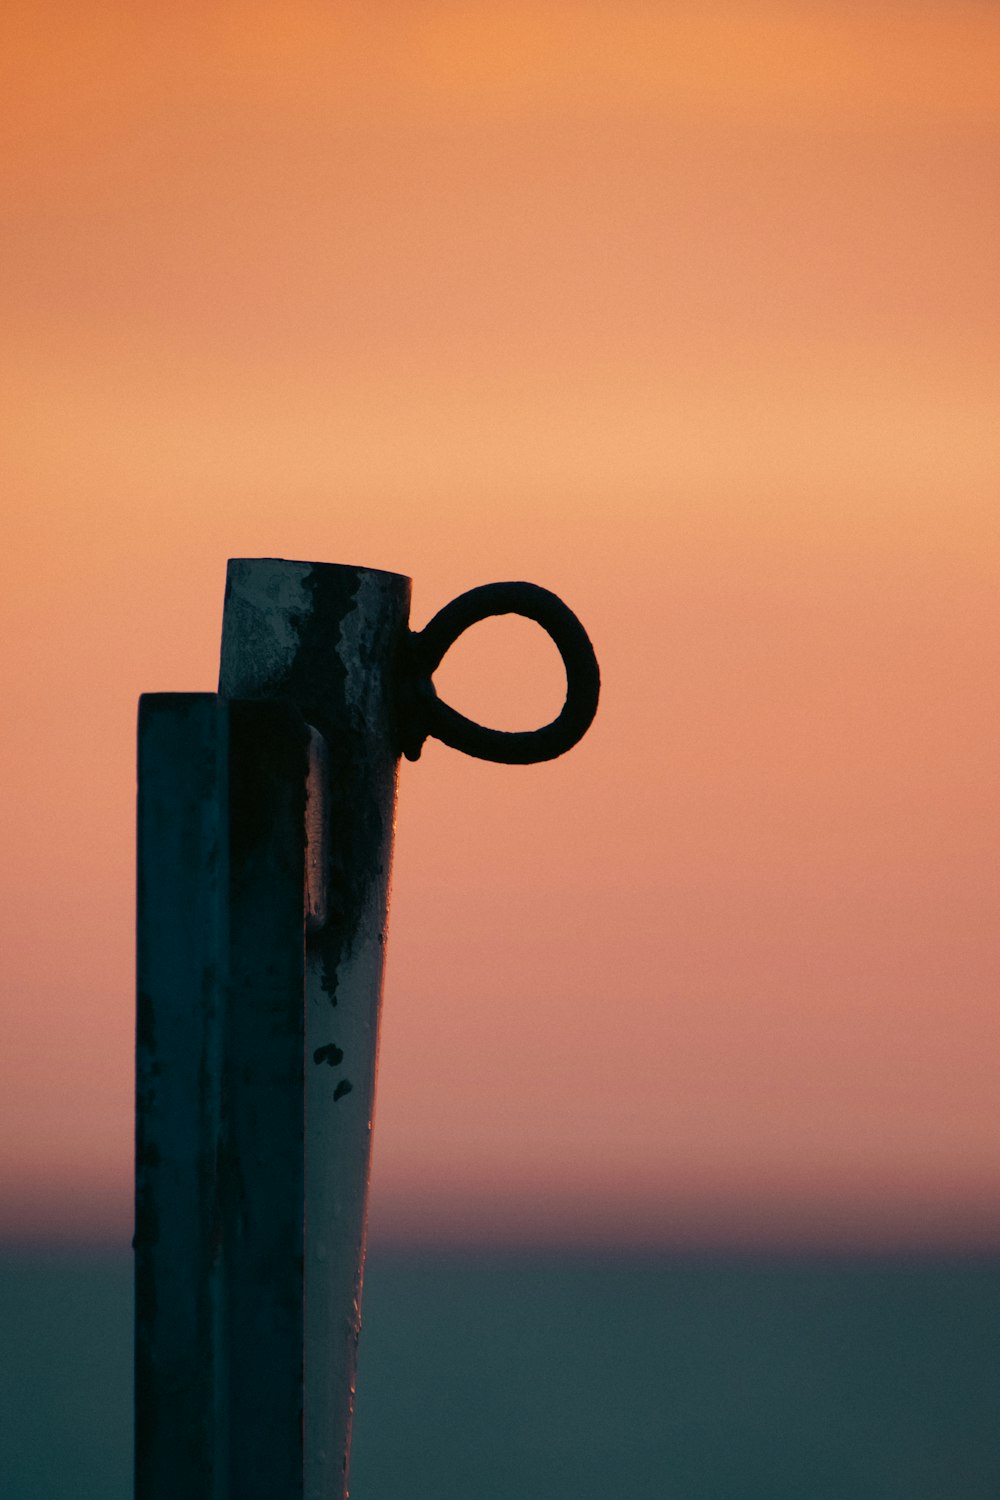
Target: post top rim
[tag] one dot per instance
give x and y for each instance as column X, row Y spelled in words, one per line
column 324, row 567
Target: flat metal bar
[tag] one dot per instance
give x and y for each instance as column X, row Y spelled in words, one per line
column 182, row 958
column 220, row 1156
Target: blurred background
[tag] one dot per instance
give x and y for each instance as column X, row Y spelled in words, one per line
column 690, row 1042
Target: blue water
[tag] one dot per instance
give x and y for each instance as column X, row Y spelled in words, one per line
column 545, row 1376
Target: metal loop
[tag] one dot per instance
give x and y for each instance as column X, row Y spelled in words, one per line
column 422, row 712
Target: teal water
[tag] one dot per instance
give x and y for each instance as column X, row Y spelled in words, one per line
column 547, row 1376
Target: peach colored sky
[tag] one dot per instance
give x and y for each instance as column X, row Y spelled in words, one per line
column 690, row 315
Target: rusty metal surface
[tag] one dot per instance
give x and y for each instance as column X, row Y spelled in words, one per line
column 317, row 832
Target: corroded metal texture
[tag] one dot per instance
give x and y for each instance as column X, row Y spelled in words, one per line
column 327, row 639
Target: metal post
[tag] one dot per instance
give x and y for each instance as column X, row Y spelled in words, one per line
column 265, row 844
column 219, row 1075
column 326, row 638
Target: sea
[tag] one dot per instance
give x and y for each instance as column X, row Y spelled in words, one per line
column 566, row 1376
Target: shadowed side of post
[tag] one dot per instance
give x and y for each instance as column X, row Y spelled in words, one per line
column 261, row 1168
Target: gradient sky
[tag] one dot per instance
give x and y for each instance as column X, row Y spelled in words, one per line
column 689, row 313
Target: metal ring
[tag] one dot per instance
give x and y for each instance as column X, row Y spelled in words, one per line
column 422, row 712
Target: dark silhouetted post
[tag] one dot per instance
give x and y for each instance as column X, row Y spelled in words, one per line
column 265, row 843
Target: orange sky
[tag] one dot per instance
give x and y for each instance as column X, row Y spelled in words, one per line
column 688, row 313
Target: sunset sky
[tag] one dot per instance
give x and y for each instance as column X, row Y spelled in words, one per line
column 688, row 312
